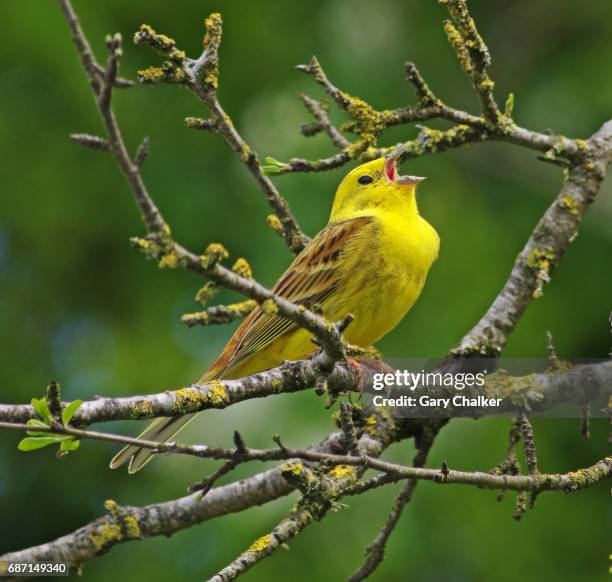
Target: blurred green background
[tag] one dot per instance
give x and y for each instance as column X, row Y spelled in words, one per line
column 79, row 306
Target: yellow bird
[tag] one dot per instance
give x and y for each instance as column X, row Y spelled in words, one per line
column 371, row 260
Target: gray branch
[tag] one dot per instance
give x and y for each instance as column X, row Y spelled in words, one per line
column 536, row 392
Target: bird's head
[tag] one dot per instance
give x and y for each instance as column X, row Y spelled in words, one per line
column 376, row 185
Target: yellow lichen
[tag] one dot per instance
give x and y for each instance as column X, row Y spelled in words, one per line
column 247, row 155
column 269, row 307
column 212, row 38
column 240, row 309
column 117, row 526
column 342, row 472
column 540, row 261
column 107, row 534
column 132, row 529
column 582, row 144
column 296, row 469
column 187, row 400
column 151, row 75
column 161, row 42
column 241, row 267
column 214, row 253
column 206, row 293
column 143, row 409
column 194, row 317
column 371, row 425
column 570, row 203
column 274, row 223
column 111, row 506
column 456, row 41
column 260, row 544
column 142, row 243
column 216, row 393
column 169, row 261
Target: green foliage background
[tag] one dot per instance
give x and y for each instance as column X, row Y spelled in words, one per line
column 79, row 306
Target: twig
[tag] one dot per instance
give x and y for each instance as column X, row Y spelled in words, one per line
column 550, row 350
column 473, row 56
column 529, row 445
column 206, row 484
column 534, row 482
column 323, row 122
column 348, row 428
column 219, row 314
column 585, row 420
column 510, row 464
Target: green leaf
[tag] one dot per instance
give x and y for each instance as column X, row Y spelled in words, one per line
column 70, row 410
column 33, row 443
column 273, row 166
column 40, row 405
column 509, row 105
column 70, row 445
column 39, row 423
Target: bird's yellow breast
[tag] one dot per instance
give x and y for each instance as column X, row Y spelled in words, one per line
column 387, row 275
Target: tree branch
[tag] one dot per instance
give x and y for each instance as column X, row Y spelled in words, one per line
column 535, row 392
column 544, row 250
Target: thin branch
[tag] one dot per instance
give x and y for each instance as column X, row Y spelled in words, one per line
column 219, row 314
column 473, row 56
column 351, row 443
column 529, row 445
column 535, row 481
column 323, row 121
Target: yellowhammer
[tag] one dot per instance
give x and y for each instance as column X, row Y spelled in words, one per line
column 371, row 260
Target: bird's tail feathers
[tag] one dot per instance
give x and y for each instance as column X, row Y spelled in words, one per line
column 162, row 430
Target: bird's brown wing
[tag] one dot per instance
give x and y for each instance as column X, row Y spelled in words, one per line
column 311, row 279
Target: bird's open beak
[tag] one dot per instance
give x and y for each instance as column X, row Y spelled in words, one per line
column 391, row 161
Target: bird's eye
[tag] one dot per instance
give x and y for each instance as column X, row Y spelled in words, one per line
column 365, row 179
